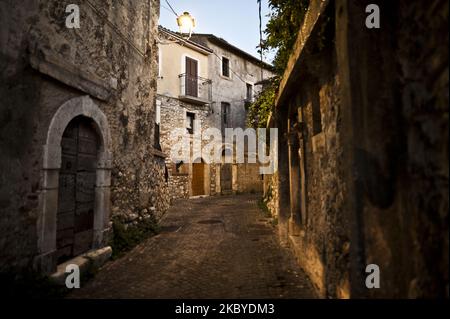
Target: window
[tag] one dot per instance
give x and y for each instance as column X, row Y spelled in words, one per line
column 180, row 168
column 225, row 67
column 225, row 116
column 190, row 118
column 249, row 92
column 157, row 142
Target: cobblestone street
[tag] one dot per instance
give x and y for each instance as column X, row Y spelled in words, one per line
column 217, row 247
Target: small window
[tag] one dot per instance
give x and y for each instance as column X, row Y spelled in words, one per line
column 225, row 112
column 190, row 118
column 180, row 168
column 226, row 67
column 157, row 137
column 249, row 92
column 225, row 116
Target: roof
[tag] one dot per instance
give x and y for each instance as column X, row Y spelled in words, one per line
column 201, row 37
column 189, row 43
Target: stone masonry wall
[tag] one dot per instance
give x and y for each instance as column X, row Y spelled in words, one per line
column 248, row 179
column 173, row 116
column 376, row 168
column 318, row 228
column 112, row 58
column 401, row 154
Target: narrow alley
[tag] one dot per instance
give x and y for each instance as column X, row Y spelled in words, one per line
column 259, row 149
column 216, row 247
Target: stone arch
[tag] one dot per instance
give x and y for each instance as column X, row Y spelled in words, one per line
column 228, row 149
column 79, row 106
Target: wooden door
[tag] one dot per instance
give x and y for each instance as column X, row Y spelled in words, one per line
column 76, row 195
column 226, row 178
column 198, row 179
column 191, row 77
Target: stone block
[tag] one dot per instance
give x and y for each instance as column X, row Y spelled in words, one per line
column 99, row 257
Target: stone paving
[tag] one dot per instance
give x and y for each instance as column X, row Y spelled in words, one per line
column 216, row 247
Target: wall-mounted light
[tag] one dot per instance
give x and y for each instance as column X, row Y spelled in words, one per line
column 186, row 23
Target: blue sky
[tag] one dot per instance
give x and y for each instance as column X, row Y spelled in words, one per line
column 236, row 21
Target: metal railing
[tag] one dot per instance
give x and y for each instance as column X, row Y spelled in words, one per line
column 195, row 87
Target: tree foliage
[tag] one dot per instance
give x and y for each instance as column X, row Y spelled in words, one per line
column 259, row 111
column 281, row 32
column 282, row 28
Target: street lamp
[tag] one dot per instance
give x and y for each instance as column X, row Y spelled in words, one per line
column 186, row 23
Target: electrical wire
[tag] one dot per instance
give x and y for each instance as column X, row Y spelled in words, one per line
column 237, row 75
column 171, row 8
column 164, row 7
column 260, row 39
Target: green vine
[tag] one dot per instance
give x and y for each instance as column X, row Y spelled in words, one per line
column 260, row 110
column 281, row 33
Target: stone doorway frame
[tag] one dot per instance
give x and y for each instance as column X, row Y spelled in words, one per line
column 45, row 262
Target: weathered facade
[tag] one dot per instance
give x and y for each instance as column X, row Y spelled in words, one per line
column 195, row 95
column 235, row 75
column 77, row 128
column 234, row 82
column 184, row 97
column 363, row 150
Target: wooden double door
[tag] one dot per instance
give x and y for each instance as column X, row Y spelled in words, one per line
column 76, row 195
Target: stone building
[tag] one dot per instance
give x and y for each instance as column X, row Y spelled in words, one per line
column 77, row 127
column 203, row 83
column 363, row 149
column 183, row 103
column 235, row 75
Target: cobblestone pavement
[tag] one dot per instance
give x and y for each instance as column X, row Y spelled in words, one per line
column 216, row 247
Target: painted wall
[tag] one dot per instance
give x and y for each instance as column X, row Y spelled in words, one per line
column 233, row 89
column 172, row 58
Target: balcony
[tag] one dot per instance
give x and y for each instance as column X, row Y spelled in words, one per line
column 195, row 89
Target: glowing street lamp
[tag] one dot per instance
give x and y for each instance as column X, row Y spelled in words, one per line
column 186, row 23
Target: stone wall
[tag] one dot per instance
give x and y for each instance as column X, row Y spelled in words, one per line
column 173, row 116
column 400, row 155
column 233, row 89
column 270, row 194
column 247, row 178
column 363, row 151
column 308, row 192
column 112, row 59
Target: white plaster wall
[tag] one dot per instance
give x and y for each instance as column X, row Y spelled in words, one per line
column 172, row 58
column 233, row 89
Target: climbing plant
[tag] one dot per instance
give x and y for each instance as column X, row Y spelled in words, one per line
column 281, row 31
column 285, row 20
column 259, row 111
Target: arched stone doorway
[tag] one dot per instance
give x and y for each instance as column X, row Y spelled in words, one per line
column 54, row 154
